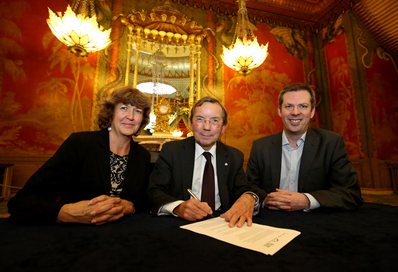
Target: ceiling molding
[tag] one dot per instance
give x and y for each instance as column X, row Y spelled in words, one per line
column 381, row 19
column 307, row 14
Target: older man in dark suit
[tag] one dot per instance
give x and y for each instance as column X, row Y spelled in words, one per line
column 302, row 168
column 181, row 166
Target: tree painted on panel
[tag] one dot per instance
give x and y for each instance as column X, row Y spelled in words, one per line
column 82, row 73
column 10, row 36
column 11, row 52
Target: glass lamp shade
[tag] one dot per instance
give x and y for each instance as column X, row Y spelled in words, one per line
column 80, row 33
column 244, row 55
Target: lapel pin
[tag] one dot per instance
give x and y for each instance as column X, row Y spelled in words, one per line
column 226, row 164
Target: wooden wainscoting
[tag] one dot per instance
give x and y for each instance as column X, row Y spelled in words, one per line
column 393, row 171
column 19, row 169
column 375, row 176
column 6, row 180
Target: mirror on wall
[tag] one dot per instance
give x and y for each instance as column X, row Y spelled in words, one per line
column 163, row 60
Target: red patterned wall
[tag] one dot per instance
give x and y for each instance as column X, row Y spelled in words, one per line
column 251, row 100
column 46, row 92
column 382, row 84
column 342, row 96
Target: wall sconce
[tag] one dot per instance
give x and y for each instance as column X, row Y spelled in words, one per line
column 245, row 53
column 78, row 28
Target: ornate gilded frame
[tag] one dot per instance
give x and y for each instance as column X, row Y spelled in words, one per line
column 165, row 25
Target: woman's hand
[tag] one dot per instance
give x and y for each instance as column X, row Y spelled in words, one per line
column 98, row 211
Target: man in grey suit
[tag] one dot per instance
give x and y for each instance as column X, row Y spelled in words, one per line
column 181, row 165
column 302, row 168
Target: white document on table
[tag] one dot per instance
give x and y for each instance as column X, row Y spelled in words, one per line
column 257, row 237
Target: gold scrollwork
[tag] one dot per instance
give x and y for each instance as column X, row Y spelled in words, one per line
column 386, row 56
column 367, row 54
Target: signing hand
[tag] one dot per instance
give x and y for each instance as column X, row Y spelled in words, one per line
column 240, row 212
column 287, row 201
column 99, row 210
column 193, row 210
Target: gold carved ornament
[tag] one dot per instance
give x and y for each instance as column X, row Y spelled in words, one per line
column 167, row 26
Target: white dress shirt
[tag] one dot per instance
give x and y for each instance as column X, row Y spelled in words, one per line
column 198, row 170
column 290, row 167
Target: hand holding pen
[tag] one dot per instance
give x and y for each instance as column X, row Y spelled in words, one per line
column 192, row 194
column 192, row 209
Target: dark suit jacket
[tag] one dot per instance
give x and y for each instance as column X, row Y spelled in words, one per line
column 79, row 170
column 173, row 172
column 325, row 170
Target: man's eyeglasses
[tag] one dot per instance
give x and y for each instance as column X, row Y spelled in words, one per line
column 214, row 121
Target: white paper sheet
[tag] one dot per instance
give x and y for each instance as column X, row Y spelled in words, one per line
column 261, row 238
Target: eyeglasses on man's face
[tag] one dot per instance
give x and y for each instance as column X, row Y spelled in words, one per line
column 213, row 121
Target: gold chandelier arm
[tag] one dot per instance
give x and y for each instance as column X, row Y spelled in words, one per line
column 198, row 87
column 137, row 54
column 191, row 71
column 128, row 62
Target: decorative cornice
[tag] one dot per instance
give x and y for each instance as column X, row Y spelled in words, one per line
column 381, row 19
column 316, row 15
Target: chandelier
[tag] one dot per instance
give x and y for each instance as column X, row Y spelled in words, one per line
column 161, row 107
column 245, row 53
column 79, row 31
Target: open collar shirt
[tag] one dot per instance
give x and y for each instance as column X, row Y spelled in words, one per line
column 290, row 168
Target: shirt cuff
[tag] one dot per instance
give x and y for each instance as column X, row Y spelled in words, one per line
column 313, row 202
column 168, row 208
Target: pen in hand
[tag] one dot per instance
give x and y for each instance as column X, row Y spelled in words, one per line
column 197, row 198
column 192, row 194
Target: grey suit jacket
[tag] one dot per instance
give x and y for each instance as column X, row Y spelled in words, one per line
column 325, row 170
column 173, row 172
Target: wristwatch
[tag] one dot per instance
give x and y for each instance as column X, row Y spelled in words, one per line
column 257, row 204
